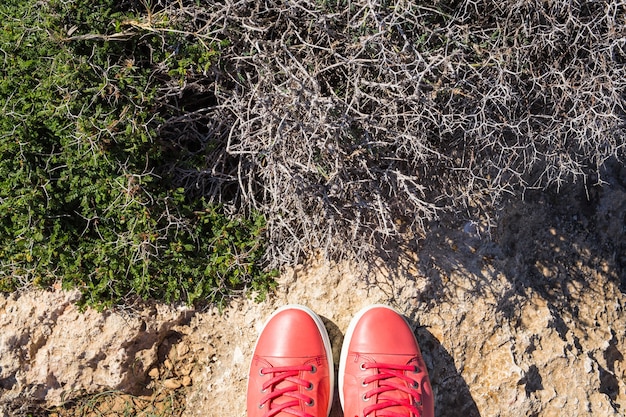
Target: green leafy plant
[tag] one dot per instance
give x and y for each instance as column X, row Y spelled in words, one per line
column 85, row 192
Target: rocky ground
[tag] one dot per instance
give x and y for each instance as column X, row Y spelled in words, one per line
column 524, row 319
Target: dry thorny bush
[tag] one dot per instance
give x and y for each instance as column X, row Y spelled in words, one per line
column 350, row 123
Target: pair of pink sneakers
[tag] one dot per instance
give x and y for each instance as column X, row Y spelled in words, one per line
column 381, row 369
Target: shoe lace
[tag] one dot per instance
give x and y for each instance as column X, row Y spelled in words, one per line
column 390, row 378
column 286, row 374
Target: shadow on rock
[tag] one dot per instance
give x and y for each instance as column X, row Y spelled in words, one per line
column 336, row 341
column 452, row 394
column 148, row 345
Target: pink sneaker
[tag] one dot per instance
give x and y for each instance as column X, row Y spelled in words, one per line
column 292, row 372
column 381, row 371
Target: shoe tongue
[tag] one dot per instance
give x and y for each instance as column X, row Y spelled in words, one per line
column 395, row 395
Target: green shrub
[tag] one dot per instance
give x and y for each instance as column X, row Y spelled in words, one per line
column 85, row 191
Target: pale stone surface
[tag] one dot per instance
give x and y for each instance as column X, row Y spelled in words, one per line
column 528, row 322
column 51, row 351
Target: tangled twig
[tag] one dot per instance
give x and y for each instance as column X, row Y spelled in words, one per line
column 349, row 123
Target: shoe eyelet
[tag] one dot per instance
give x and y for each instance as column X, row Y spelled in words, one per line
column 416, row 369
column 364, row 384
column 261, row 406
column 310, row 387
column 313, row 369
column 365, row 397
column 415, row 385
column 261, row 372
column 310, row 403
column 362, row 367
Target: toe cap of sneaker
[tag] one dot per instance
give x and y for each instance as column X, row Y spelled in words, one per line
column 290, row 333
column 382, row 330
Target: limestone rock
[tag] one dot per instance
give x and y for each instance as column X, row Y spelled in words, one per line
column 51, row 351
column 172, row 383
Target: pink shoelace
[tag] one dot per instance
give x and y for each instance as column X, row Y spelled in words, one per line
column 386, row 373
column 290, row 374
